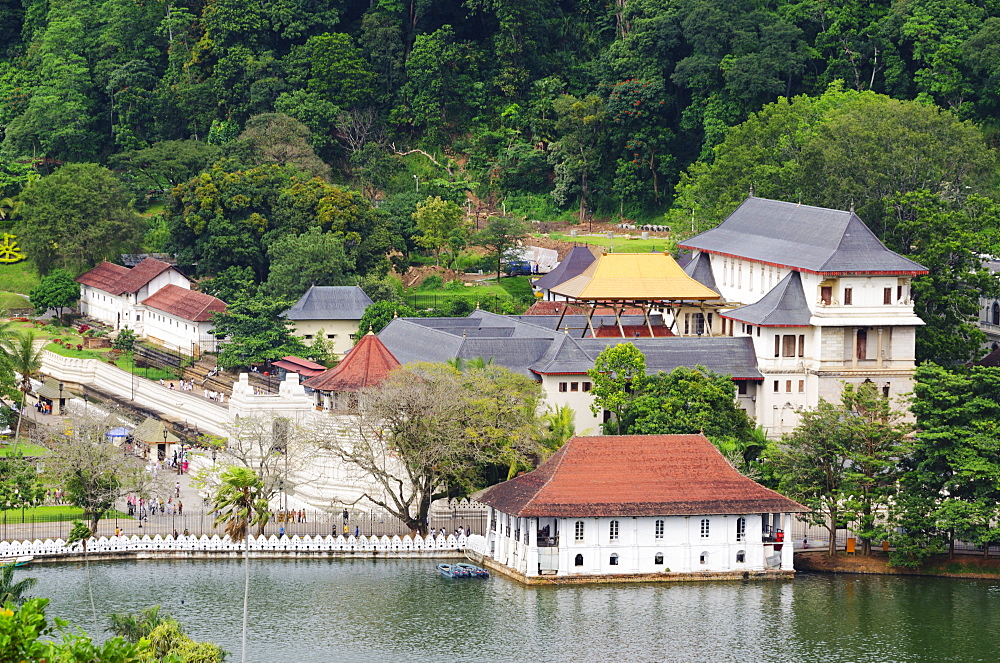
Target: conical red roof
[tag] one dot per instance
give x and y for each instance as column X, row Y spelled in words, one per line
column 366, row 365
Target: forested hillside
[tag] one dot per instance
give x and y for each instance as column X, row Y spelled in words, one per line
column 228, row 111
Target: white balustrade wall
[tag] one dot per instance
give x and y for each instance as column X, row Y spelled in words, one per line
column 263, row 544
column 209, row 416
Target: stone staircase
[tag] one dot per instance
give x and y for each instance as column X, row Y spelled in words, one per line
column 206, row 374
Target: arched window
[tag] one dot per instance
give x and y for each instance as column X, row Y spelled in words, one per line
column 741, row 529
column 704, row 528
column 578, row 560
column 613, row 530
column 741, row 556
column 658, row 559
column 996, row 313
column 659, row 529
column 703, row 557
column 614, row 559
column 579, row 531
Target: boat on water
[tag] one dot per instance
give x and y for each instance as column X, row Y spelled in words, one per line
column 16, row 561
column 452, row 571
column 473, row 570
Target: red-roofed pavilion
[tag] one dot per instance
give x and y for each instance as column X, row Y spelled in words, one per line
column 641, row 507
column 366, row 365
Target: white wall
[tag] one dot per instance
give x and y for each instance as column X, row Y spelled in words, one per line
column 637, row 545
column 174, row 332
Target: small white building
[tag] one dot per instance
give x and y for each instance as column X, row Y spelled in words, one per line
column 637, row 507
column 113, row 294
column 180, row 319
column 331, row 310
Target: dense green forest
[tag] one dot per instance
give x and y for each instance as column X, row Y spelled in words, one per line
column 254, row 125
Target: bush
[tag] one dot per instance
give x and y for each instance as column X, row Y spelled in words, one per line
column 454, row 286
column 432, row 282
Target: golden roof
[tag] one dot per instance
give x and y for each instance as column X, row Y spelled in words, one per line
column 634, row 276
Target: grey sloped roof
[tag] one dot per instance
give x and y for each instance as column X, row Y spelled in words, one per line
column 574, row 264
column 814, row 239
column 544, row 351
column 784, row 306
column 564, row 355
column 700, row 269
column 409, row 341
column 330, row 302
column 725, row 355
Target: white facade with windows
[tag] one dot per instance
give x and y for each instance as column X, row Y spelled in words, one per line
column 636, row 505
column 644, row 545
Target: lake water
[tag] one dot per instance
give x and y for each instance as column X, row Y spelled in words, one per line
column 400, row 610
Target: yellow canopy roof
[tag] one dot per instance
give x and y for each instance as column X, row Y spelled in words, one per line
column 634, row 276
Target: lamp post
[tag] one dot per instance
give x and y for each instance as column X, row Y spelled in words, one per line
column 213, row 457
column 61, row 405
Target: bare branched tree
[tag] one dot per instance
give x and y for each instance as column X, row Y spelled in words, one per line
column 273, row 447
column 430, row 431
column 95, row 473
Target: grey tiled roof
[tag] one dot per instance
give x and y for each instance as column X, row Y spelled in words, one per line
column 784, row 306
column 330, row 302
column 540, row 350
column 814, row 239
column 722, row 354
column 700, row 269
column 575, row 262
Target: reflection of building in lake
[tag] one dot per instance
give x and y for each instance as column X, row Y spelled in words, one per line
column 639, row 504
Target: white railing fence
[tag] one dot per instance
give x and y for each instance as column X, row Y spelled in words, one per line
column 212, row 544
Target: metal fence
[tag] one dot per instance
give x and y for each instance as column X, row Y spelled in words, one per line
column 311, row 522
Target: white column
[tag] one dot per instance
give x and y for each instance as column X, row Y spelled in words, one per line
column 787, row 548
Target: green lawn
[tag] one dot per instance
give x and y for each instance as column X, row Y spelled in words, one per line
column 52, row 514
column 487, row 294
column 18, row 277
column 153, row 373
column 9, row 300
column 23, row 447
column 620, row 243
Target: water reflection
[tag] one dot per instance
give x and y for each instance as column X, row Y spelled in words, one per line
column 389, row 610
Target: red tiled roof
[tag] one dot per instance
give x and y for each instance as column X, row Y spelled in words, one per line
column 141, row 274
column 117, row 280
column 635, row 475
column 541, row 307
column 631, row 331
column 366, row 365
column 104, row 276
column 299, row 365
column 186, row 304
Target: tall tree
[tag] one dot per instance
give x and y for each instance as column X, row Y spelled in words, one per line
column 502, row 236
column 21, row 357
column 618, row 374
column 239, row 505
column 437, row 220
column 429, row 431
column 57, row 290
column 255, row 330
column 76, row 217
column 300, row 261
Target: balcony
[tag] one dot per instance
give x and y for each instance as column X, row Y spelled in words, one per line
column 545, row 541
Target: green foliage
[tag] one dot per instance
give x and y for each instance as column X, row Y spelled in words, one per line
column 301, row 261
column 618, row 373
column 501, row 237
column 382, row 288
column 19, row 484
column 842, row 461
column 255, row 331
column 689, row 401
column 377, row 316
column 75, row 218
column 438, row 220
column 57, row 290
column 951, row 480
column 125, row 341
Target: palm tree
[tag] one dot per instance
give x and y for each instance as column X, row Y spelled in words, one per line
column 13, row 591
column 240, row 504
column 21, row 356
column 559, row 427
